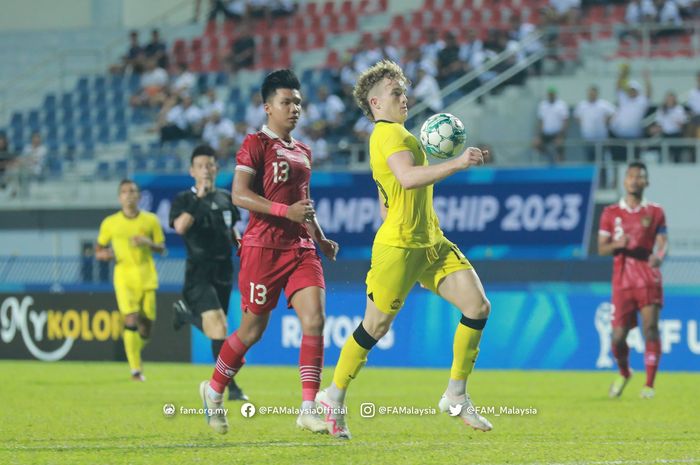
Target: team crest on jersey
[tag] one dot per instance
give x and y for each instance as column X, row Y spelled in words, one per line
column 396, row 304
column 227, row 218
column 646, row 221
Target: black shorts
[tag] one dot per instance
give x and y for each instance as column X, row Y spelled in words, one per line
column 208, row 285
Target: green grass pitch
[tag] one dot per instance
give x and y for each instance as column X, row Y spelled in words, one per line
column 91, row 413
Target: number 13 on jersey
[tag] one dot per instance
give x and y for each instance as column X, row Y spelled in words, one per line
column 280, row 171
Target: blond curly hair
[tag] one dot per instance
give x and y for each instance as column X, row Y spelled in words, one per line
column 370, row 78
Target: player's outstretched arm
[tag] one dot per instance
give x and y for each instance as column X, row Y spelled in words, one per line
column 245, row 197
column 411, row 176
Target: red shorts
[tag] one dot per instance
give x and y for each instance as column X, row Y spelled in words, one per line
column 626, row 303
column 265, row 272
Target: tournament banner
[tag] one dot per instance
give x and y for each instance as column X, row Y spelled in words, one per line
column 543, row 326
column 80, row 326
column 489, row 212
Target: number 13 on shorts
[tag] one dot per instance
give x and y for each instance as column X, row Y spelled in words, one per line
column 258, row 293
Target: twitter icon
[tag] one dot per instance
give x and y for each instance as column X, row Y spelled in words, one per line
column 455, row 410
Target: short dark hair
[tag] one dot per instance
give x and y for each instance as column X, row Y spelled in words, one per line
column 280, row 79
column 640, row 165
column 203, row 150
column 127, row 181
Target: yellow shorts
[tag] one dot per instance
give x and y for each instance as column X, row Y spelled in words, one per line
column 395, row 270
column 134, row 299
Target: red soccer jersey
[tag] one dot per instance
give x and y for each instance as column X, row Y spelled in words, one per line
column 631, row 268
column 282, row 172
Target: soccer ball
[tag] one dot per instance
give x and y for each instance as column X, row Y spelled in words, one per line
column 443, row 136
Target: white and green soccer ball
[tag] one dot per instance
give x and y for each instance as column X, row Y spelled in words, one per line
column 443, row 136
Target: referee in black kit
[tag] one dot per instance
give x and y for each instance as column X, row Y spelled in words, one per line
column 205, row 216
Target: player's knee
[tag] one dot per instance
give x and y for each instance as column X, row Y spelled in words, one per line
column 313, row 324
column 651, row 332
column 485, row 308
column 376, row 329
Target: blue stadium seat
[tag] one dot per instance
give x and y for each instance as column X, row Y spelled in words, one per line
column 116, row 83
column 33, row 120
column 55, row 167
column 67, row 100
column 101, row 115
column 84, row 117
column 140, row 163
column 86, row 136
column 134, row 83
column 100, row 83
column 17, row 120
column 121, row 168
column 50, row 102
column 118, row 98
column 83, row 83
column 235, row 95
column 68, row 117
column 120, row 134
column 69, row 135
column 50, row 117
column 103, row 134
column 102, row 170
column 221, row 79
column 88, row 150
column 119, row 115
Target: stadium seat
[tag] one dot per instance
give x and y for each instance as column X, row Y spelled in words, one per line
column 102, row 170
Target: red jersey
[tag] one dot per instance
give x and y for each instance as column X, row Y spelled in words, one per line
column 282, row 172
column 630, row 267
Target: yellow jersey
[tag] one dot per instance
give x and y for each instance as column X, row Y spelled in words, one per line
column 411, row 221
column 134, row 264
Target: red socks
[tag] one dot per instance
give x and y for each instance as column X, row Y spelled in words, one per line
column 621, row 353
column 229, row 361
column 652, row 354
column 310, row 365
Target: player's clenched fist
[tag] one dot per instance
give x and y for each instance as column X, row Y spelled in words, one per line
column 472, row 156
column 301, row 211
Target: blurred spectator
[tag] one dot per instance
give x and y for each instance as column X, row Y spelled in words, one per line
column 184, row 81
column 412, row 61
column 429, row 51
column 669, row 122
column 593, row 116
column 241, row 130
column 553, row 120
column 231, row 9
column 363, row 128
column 134, row 58
column 280, row 8
column 427, row 91
column 318, row 144
column 668, row 16
column 255, row 115
column 153, row 83
column 450, row 67
column 387, row 52
column 519, row 31
column 640, row 11
column 211, row 103
column 367, row 54
column 694, row 106
column 632, row 106
column 564, row 11
column 219, row 133
column 157, row 50
column 6, row 158
column 33, row 158
column 180, row 119
column 242, row 50
column 330, row 109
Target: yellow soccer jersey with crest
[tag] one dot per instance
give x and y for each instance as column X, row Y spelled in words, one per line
column 134, row 264
column 411, row 221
